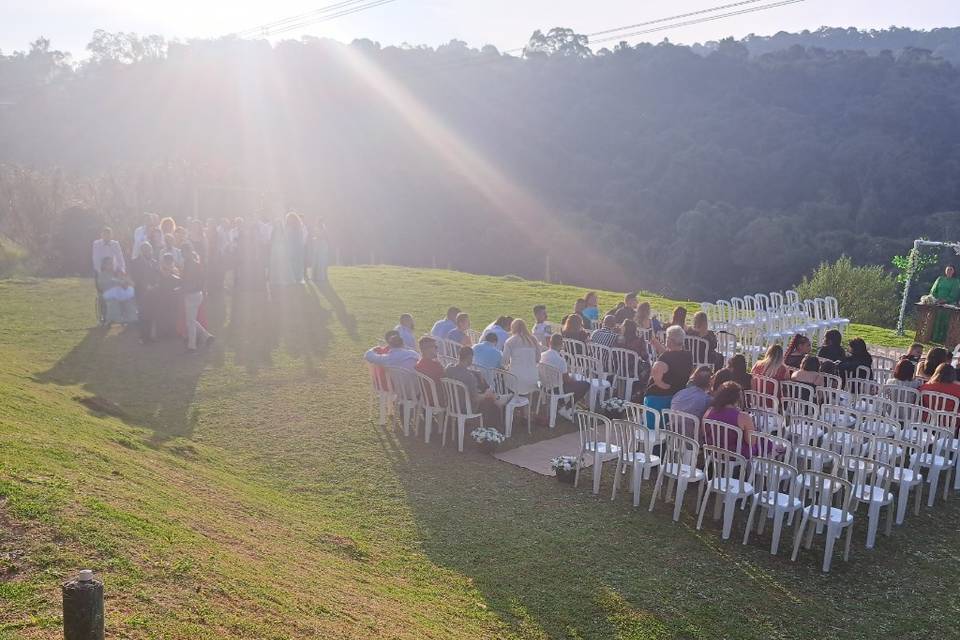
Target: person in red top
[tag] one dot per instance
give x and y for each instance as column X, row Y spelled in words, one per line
column 771, row 366
column 381, row 349
column 428, row 364
column 944, row 380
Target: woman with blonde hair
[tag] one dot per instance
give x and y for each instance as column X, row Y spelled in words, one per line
column 771, row 365
column 521, row 354
column 168, row 226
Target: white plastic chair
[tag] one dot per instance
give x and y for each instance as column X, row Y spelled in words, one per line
column 767, row 421
column 678, row 463
column 551, row 386
column 590, row 370
column 934, row 454
column 901, row 456
column 765, row 401
column 404, row 387
column 819, row 511
column 871, row 486
column 595, row 444
column 504, row 386
column 625, row 365
column 900, row 393
column 832, row 310
column 799, row 409
column 721, row 468
column 768, row 476
column 699, row 348
column 431, row 404
column 459, row 409
column 801, row 430
column 685, row 424
column 382, row 395
column 635, row 442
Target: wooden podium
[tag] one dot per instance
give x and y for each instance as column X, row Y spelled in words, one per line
column 927, row 315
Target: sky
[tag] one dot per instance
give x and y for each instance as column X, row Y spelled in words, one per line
column 504, row 23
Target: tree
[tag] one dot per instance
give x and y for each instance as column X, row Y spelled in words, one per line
column 866, row 295
column 558, row 42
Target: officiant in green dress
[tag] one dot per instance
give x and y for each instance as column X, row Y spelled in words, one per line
column 946, row 289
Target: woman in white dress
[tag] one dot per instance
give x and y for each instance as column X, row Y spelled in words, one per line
column 521, row 353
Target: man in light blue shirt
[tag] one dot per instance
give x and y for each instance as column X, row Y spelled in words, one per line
column 486, row 354
column 405, row 329
column 500, row 327
column 442, row 327
column 397, row 356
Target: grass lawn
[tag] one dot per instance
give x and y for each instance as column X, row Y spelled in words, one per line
column 247, row 493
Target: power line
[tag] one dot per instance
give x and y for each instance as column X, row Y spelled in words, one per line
column 323, row 14
column 671, row 18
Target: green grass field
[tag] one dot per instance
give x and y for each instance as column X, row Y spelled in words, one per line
column 247, row 493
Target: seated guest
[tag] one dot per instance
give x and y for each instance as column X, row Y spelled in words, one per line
column 445, row 325
column 482, row 398
column 808, row 375
column 903, row 374
column 700, row 329
column 542, row 329
column 573, row 328
column 725, row 408
column 145, row 273
column 944, row 380
column 459, row 333
column 405, row 329
column 832, row 348
column 631, row 339
column 859, row 357
column 679, row 318
column 396, row 355
column 118, row 293
column 670, row 372
column 694, row 399
column 798, row 348
column 578, row 308
column 106, row 246
column 771, row 365
column 627, row 310
column 591, row 311
column 486, row 353
column 501, row 327
column 428, row 364
column 736, row 370
column 554, row 357
column 521, row 354
column 644, row 319
column 915, row 354
column 935, row 357
column 607, row 334
column 828, row 367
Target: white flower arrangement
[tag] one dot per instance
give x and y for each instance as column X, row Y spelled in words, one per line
column 564, row 463
column 612, row 405
column 928, row 299
column 483, row 435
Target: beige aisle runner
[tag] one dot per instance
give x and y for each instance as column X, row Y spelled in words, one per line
column 536, row 457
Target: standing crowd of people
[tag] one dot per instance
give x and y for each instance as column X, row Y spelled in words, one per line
column 161, row 284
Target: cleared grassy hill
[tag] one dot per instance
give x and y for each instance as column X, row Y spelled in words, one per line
column 246, row 493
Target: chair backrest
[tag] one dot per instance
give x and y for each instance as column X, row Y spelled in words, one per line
column 846, row 442
column 726, row 344
column 589, row 367
column 776, row 301
column 875, row 405
column 642, row 414
column 767, row 421
column 900, row 393
column 821, row 491
column 883, row 368
column 831, row 381
column 766, row 385
column 838, row 397
column 593, row 428
column 756, row 400
column 551, row 379
column 378, row 378
column 769, row 475
column 503, row 383
column 763, row 302
column 882, row 426
column 831, row 308
column 632, row 436
column 446, row 361
column 800, row 408
column 772, row 447
column 863, row 387
column 677, row 450
column 686, row 424
column 840, row 416
column 792, row 296
column 805, row 431
column 796, row 390
column 430, row 396
column 721, row 434
column 937, row 401
column 574, row 347
column 700, row 349
column 893, row 451
column 474, row 336
column 725, row 311
column 602, row 354
column 863, row 371
column 458, row 397
column 720, row 463
column 867, row 475
column 625, row 363
column 403, row 383
column 810, row 458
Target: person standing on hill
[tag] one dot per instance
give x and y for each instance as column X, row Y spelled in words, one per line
column 946, row 289
column 192, row 284
column 145, row 273
column 106, row 246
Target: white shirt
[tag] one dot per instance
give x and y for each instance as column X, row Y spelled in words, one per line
column 554, row 359
column 409, row 341
column 520, row 358
column 542, row 331
column 112, row 249
column 139, row 237
column 502, row 334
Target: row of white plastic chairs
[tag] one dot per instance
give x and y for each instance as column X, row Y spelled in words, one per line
column 822, row 467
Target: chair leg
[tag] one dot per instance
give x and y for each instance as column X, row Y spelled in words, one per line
column 903, row 495
column 616, row 479
column 832, row 534
column 934, row 483
column 777, row 531
column 576, row 475
column 717, row 507
column 846, row 547
column 461, row 427
column 798, row 536
column 890, row 512
column 764, row 512
column 873, row 519
column 678, row 498
column 530, row 416
column 637, row 480
column 554, row 402
column 597, row 470
column 427, row 424
column 382, row 401
column 703, row 508
column 810, row 531
column 729, row 508
column 656, row 490
column 753, row 511
column 508, row 420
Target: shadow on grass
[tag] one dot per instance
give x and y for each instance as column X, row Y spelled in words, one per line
column 154, row 385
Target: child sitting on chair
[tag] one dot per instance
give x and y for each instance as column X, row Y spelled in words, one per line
column 117, row 292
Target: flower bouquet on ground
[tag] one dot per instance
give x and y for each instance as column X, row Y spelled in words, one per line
column 613, row 408
column 565, row 467
column 487, row 438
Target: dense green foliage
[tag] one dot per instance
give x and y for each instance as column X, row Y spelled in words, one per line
column 648, row 166
column 864, row 293
column 246, row 493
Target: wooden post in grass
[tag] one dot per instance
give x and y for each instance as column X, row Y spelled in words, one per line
column 83, row 608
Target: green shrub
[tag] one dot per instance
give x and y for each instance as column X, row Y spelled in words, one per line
column 12, row 257
column 866, row 295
